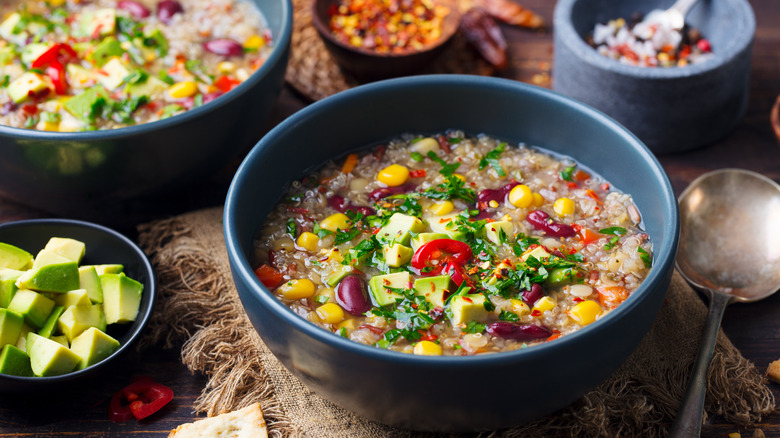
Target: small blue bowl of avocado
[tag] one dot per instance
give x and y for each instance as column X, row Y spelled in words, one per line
column 74, row 296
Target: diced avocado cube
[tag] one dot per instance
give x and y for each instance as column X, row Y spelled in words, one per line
column 8, row 287
column 447, row 225
column 151, row 87
column 399, row 228
column 32, row 51
column 499, row 231
column 7, row 54
column 49, row 358
column 121, row 297
column 15, row 362
column 86, row 105
column 338, row 275
column 467, row 308
column 397, row 255
column 98, row 22
column 34, row 307
column 107, row 49
column 76, row 319
column 90, row 281
column 29, row 83
column 71, row 249
column 80, row 77
column 93, row 345
column 46, row 257
column 22, row 341
column 434, row 289
column 12, row 257
column 538, row 252
column 54, row 278
column 561, row 276
column 51, row 322
column 61, row 339
column 8, row 25
column 113, row 74
column 423, row 238
column 381, row 285
column 108, row 269
column 10, row 326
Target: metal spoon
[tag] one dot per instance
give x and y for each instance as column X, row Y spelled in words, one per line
column 730, row 250
column 675, row 15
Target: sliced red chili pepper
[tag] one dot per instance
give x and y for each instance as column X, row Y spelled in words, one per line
column 117, row 411
column 443, row 251
column 52, row 54
column 457, row 274
column 226, row 83
column 140, row 399
column 56, row 72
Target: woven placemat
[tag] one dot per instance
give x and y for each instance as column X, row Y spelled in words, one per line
column 199, row 306
column 314, row 73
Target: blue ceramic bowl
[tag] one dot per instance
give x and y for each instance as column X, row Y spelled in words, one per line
column 103, row 245
column 73, row 174
column 448, row 393
column 669, row 109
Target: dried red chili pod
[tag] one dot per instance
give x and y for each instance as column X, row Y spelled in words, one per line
column 484, row 34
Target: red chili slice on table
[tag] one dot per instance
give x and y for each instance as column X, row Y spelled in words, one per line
column 140, row 399
column 442, row 251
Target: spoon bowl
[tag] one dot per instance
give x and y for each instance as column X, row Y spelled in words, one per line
column 730, row 250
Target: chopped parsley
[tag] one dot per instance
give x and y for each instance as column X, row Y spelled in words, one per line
column 508, row 316
column 492, row 158
column 453, row 188
column 446, row 168
column 291, row 227
column 566, row 173
column 646, row 259
column 616, row 231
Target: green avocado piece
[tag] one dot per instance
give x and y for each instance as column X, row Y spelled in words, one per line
column 28, row 84
column 61, row 339
column 7, row 54
column 12, row 257
column 8, row 287
column 93, row 345
column 338, row 275
column 10, row 326
column 88, row 104
column 151, row 87
column 499, row 232
column 76, row 319
column 380, row 287
column 561, row 276
column 22, row 341
column 423, row 238
column 97, row 22
column 434, row 289
column 107, row 269
column 90, row 281
column 54, row 278
column 49, row 358
column 121, row 297
column 15, row 362
column 447, row 225
column 397, row 255
column 51, row 322
column 32, row 51
column 47, row 257
column 71, row 249
column 467, row 308
column 76, row 297
column 399, row 228
column 34, row 307
column 80, row 77
column 105, row 50
column 538, row 252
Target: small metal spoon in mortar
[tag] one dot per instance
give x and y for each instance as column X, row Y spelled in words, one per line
column 730, row 250
column 675, row 15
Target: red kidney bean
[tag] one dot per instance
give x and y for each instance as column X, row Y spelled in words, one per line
column 517, row 331
column 351, row 294
column 8, row 108
column 341, row 205
column 532, row 295
column 384, row 192
column 224, row 47
column 136, row 10
column 542, row 222
column 208, row 97
column 498, row 195
column 166, row 9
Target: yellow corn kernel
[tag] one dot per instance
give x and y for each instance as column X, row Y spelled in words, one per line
column 48, row 126
column 254, row 42
column 331, row 254
column 520, row 307
column 183, row 89
column 538, row 200
column 735, row 435
column 441, row 208
column 308, row 241
column 563, row 206
column 150, row 57
column 226, row 67
column 297, row 289
column 56, row 3
column 427, row 348
column 393, row 175
column 459, row 176
column 663, row 57
column 521, row 196
column 349, row 324
column 585, row 312
column 545, row 303
column 330, row 313
column 335, row 222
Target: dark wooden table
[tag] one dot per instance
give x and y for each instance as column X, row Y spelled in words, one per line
column 753, row 328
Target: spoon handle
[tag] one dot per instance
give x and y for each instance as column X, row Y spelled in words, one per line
column 682, row 6
column 688, row 421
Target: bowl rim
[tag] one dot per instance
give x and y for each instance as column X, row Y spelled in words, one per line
column 566, row 34
column 136, row 334
column 277, row 55
column 324, row 31
column 662, row 264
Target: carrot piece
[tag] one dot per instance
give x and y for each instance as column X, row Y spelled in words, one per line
column 611, row 296
column 595, row 196
column 349, row 163
column 269, row 276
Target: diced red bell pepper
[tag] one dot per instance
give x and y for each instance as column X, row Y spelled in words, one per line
column 441, row 250
column 269, row 276
column 139, row 399
column 226, row 83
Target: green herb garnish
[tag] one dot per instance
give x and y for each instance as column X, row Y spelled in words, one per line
column 492, row 158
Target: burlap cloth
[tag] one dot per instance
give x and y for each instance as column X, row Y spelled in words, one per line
column 199, row 307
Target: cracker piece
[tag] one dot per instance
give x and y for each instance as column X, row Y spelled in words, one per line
column 773, row 371
column 243, row 423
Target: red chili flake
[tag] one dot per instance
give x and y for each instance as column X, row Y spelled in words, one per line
column 577, row 299
column 297, row 210
column 536, row 312
column 571, row 184
column 420, row 173
column 704, row 45
column 604, row 187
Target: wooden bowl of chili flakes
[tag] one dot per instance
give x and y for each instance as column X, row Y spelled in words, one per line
column 372, row 39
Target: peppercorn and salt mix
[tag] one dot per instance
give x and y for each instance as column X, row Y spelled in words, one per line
column 72, row 65
column 453, row 245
